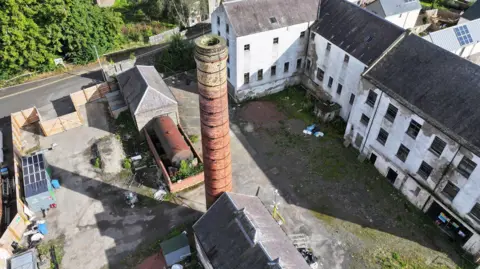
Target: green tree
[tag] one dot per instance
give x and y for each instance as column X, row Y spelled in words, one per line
column 178, row 57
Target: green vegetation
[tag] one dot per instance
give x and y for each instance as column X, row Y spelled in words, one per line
column 293, row 102
column 187, row 169
column 57, row 244
column 178, row 56
column 127, row 163
column 194, row 138
column 97, row 163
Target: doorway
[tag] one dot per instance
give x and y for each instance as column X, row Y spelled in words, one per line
column 373, row 158
column 392, row 175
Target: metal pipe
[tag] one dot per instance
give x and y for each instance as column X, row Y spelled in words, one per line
column 211, row 57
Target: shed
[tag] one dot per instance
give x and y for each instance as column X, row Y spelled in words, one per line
column 25, row 260
column 146, row 95
column 37, row 186
column 176, row 249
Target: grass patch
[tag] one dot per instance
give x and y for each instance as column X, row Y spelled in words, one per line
column 194, row 138
column 57, row 244
column 293, row 102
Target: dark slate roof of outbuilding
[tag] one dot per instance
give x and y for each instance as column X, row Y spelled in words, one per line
column 355, row 30
column 473, row 12
column 253, row 16
column 238, row 232
column 439, row 86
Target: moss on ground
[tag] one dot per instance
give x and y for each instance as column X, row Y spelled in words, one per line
column 57, row 244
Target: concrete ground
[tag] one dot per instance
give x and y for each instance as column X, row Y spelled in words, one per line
column 353, row 217
column 98, row 227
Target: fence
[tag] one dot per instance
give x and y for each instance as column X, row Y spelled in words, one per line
column 161, row 37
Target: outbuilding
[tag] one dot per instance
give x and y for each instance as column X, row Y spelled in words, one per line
column 37, row 185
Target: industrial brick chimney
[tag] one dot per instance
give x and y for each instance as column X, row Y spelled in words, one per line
column 211, row 57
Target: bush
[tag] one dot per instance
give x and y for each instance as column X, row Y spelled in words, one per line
column 97, row 162
column 193, row 138
column 178, row 56
column 127, row 164
column 186, row 170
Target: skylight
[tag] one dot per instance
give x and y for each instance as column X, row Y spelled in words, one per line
column 463, row 35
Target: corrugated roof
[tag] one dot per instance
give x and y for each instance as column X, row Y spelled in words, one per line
column 394, row 7
column 238, row 232
column 144, row 89
column 254, row 16
column 437, row 85
column 473, row 12
column 447, row 38
column 355, row 30
column 34, row 175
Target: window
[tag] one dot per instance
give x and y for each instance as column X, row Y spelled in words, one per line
column 299, row 63
column 275, row 40
column 416, row 192
column 218, row 20
column 466, row 167
column 364, row 119
column 228, row 58
column 312, row 36
column 246, row 47
column 425, row 170
column 246, row 78
column 450, row 191
column 260, row 74
column 273, row 20
column 273, row 70
column 302, row 34
column 228, row 72
column 228, row 42
column 413, row 129
column 391, row 113
column 285, row 67
column 352, row 99
column 382, row 136
column 475, row 212
column 437, row 146
column 218, row 33
column 339, row 89
column 371, row 98
column 402, row 153
column 330, row 82
column 329, row 46
column 227, row 28
column 320, row 74
column 309, row 63
column 346, row 58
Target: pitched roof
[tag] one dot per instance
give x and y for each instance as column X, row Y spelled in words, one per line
column 238, row 232
column 438, row 85
column 254, row 16
column 144, row 89
column 355, row 30
column 395, row 7
column 473, row 12
column 447, row 38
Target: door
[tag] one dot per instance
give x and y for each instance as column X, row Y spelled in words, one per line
column 373, row 158
column 391, row 175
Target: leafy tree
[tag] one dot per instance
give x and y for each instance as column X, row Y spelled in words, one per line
column 178, row 57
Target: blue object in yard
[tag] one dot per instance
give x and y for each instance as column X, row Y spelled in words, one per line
column 55, row 184
column 310, row 128
column 42, row 228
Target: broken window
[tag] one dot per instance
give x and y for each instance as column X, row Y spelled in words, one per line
column 273, row 70
column 352, row 99
column 246, row 78
column 302, row 34
column 228, row 72
column 391, row 113
column 466, row 167
column 425, row 170
column 475, row 212
column 330, row 82
column 371, row 98
column 402, row 153
column 414, row 129
column 246, row 47
column 299, row 63
column 320, row 74
column 346, row 58
column 275, row 40
column 329, row 46
column 450, row 190
column 339, row 89
column 364, row 119
column 309, row 63
column 285, row 67
column 437, row 147
column 260, row 74
column 382, row 136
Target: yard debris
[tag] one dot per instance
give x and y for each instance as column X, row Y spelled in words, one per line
column 313, row 129
column 131, row 198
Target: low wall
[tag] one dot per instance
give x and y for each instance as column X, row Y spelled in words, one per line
column 90, row 94
column 156, row 39
column 184, row 183
column 61, row 124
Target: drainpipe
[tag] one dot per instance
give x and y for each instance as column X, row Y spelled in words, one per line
column 371, row 122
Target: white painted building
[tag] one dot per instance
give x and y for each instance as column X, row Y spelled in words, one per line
column 266, row 41
column 462, row 39
column 407, row 121
column 403, row 13
column 342, row 44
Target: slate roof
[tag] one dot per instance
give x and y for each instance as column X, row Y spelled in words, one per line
column 35, row 178
column 144, row 90
column 355, row 30
column 253, row 16
column 238, row 232
column 439, row 86
column 473, row 12
column 395, row 7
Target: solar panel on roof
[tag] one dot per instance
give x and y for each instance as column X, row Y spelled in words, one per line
column 463, row 35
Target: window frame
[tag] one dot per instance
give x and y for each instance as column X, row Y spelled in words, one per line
column 273, row 70
column 330, row 82
column 401, row 149
column 346, row 58
column 227, row 28
column 477, row 218
column 425, row 174
column 439, row 141
column 309, row 64
column 352, row 99
column 320, row 71
column 339, row 89
column 302, row 34
column 228, row 72
column 368, row 101
column 454, row 188
column 412, row 129
column 299, row 63
column 388, row 116
column 260, row 74
column 246, row 78
column 218, row 20
column 329, row 46
column 465, row 161
column 364, row 119
column 246, row 47
column 275, row 40
column 382, row 132
column 286, row 67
